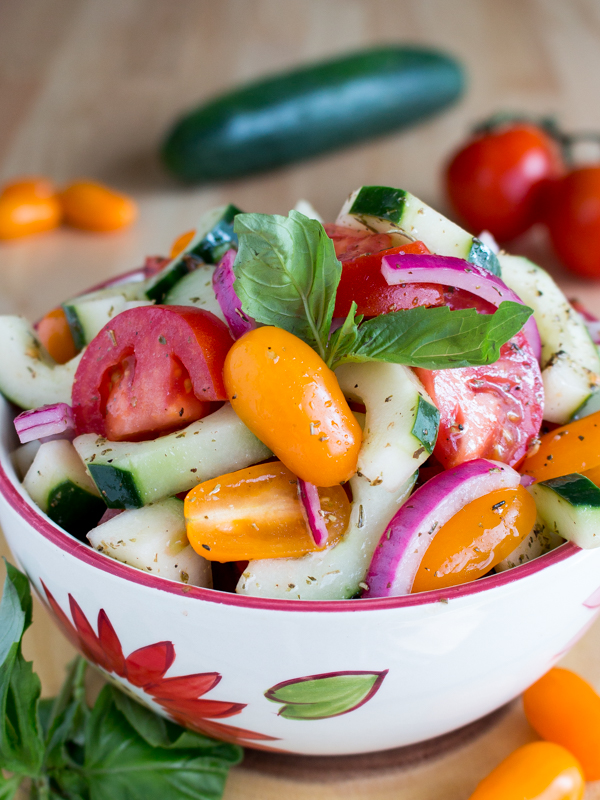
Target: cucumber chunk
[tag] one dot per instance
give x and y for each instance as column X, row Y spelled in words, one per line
column 401, row 422
column 87, row 315
column 335, row 573
column 541, row 540
column 154, row 540
column 570, row 361
column 196, row 289
column 570, row 507
column 58, row 483
column 133, row 474
column 23, row 456
column 28, row 375
column 383, row 209
column 214, row 236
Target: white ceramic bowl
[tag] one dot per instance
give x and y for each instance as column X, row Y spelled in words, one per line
column 389, row 672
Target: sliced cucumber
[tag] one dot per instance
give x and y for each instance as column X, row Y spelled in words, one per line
column 58, row 483
column 28, row 376
column 570, row 507
column 213, row 237
column 336, row 573
column 401, row 422
column 133, row 474
column 306, row 208
column 196, row 289
column 87, row 315
column 383, row 209
column 153, row 539
column 541, row 540
column 570, row 362
column 590, row 405
column 23, row 456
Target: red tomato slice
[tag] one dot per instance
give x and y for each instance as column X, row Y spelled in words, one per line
column 350, row 243
column 488, row 412
column 149, row 371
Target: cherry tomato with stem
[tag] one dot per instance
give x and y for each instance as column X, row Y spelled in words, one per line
column 496, row 179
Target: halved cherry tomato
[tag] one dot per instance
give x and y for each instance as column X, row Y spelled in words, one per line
column 473, row 541
column 28, row 206
column 54, row 332
column 536, row 771
column 574, row 447
column 363, row 283
column 350, row 242
column 256, row 513
column 95, row 207
column 149, row 371
column 493, row 411
column 286, row 394
column 495, row 181
column 572, row 214
column 181, row 243
column 563, row 708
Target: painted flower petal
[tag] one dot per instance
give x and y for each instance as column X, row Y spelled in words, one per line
column 327, row 695
column 202, row 708
column 90, row 643
column 226, row 732
column 64, row 622
column 109, row 641
column 149, row 664
column 185, row 686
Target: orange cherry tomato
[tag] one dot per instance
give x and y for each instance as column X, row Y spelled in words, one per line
column 593, row 474
column 95, row 207
column 476, row 539
column 54, row 333
column 181, row 243
column 575, row 447
column 28, row 206
column 256, row 513
column 563, row 708
column 288, row 397
column 536, row 771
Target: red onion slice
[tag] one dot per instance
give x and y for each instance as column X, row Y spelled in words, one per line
column 311, row 504
column 55, row 421
column 231, row 306
column 592, row 323
column 461, row 274
column 405, row 540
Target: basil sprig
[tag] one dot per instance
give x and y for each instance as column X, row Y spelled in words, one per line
column 117, row 750
column 287, row 275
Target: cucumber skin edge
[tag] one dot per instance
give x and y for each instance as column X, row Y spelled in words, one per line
column 290, row 117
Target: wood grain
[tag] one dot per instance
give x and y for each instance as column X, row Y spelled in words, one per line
column 88, row 87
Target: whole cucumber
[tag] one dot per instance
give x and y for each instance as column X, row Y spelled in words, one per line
column 321, row 107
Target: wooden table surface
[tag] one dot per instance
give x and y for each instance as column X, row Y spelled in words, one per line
column 87, row 88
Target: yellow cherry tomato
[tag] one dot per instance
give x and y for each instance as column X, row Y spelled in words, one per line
column 563, row 708
column 536, row 771
column 256, row 513
column 28, row 206
column 54, row 333
column 288, row 397
column 475, row 539
column 181, row 243
column 574, row 447
column 95, row 207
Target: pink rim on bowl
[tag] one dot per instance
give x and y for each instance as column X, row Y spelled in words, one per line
column 64, row 541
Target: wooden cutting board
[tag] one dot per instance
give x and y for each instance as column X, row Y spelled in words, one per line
column 87, row 88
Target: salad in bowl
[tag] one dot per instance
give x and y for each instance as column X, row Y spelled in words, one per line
column 382, row 415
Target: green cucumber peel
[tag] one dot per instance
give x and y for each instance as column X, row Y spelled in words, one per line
column 287, row 275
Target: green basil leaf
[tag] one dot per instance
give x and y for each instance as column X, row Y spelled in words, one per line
column 287, row 274
column 68, row 717
column 9, row 786
column 21, row 742
column 120, row 765
column 437, row 338
column 343, row 340
column 160, row 732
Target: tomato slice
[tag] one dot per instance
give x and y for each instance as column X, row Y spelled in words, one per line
column 149, row 371
column 494, row 411
column 350, row 242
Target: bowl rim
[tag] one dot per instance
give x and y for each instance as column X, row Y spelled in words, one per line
column 15, row 497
